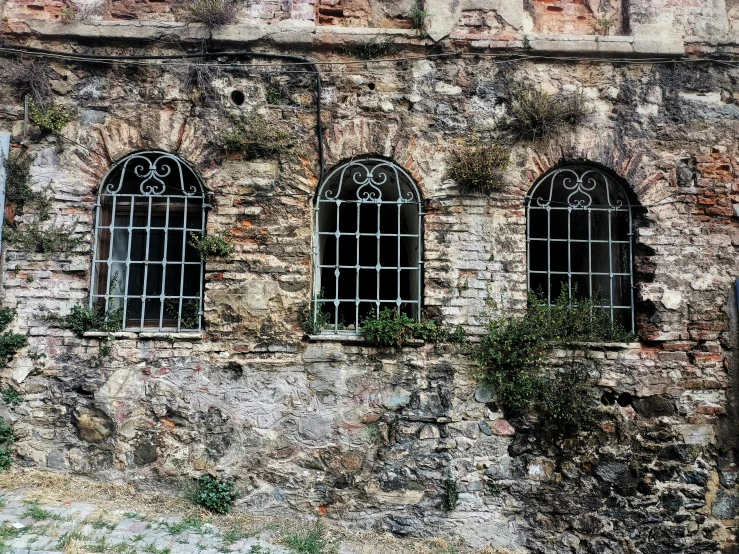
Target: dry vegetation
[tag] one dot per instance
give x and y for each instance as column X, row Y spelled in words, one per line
column 28, row 76
column 209, row 13
column 57, row 489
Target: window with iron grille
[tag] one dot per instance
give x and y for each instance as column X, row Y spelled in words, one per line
column 368, row 237
column 579, row 236
column 150, row 206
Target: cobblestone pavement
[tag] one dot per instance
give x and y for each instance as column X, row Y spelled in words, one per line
column 29, row 527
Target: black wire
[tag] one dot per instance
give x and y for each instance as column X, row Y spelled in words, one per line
column 284, row 57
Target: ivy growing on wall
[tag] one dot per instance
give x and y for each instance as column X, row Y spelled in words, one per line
column 513, row 353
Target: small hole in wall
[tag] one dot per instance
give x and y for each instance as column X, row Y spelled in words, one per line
column 237, row 97
column 624, row 399
column 371, row 86
column 608, row 398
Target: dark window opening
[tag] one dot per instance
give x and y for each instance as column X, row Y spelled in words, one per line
column 579, row 225
column 146, row 271
column 369, row 244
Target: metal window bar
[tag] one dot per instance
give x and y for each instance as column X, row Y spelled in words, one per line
column 154, row 185
column 570, row 191
column 379, row 183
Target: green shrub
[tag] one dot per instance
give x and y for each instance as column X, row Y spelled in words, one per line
column 212, row 245
column 18, row 172
column 254, row 137
column 50, row 117
column 215, row 495
column 479, row 167
column 534, row 114
column 7, row 438
column 565, row 401
column 419, row 18
column 82, row 319
column 274, row 94
column 35, row 238
column 514, row 348
column 313, row 541
column 450, row 497
column 395, row 328
column 10, row 396
column 10, row 342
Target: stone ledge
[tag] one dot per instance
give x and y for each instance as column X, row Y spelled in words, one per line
column 174, row 335
column 308, row 35
column 356, row 339
column 603, row 345
column 595, row 45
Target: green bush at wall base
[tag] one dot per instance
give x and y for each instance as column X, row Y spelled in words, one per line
column 214, row 494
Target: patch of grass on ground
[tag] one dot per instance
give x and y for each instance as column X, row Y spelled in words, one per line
column 38, row 514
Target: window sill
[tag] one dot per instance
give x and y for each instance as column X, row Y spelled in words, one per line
column 144, row 335
column 603, row 345
column 356, row 339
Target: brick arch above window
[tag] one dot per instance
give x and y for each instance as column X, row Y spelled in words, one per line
column 146, row 273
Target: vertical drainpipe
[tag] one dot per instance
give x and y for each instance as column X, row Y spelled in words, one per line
column 4, row 153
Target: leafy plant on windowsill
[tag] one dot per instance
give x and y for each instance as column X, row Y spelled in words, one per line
column 312, row 322
column 214, row 245
column 82, row 319
column 395, row 328
column 514, row 349
column 478, row 168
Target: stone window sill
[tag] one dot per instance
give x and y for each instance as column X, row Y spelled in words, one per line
column 152, row 335
column 603, row 345
column 356, row 339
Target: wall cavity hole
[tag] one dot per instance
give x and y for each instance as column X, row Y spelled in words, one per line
column 238, row 97
column 624, row 399
column 371, row 86
column 608, row 398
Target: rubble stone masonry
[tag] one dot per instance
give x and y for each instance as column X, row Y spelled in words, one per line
column 368, row 435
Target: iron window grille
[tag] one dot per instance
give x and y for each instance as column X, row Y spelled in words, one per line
column 145, row 270
column 367, row 245
column 580, row 239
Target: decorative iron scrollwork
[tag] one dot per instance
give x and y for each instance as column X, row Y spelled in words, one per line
column 374, row 179
column 159, row 173
column 578, row 187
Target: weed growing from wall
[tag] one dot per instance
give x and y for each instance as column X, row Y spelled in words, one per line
column 419, row 18
column 10, row 342
column 274, row 94
column 372, row 49
column 201, row 77
column 395, row 328
column 214, row 494
column 254, row 137
column 514, row 349
column 209, row 13
column 478, row 168
column 42, row 239
column 214, row 245
column 11, row 397
column 28, row 76
column 7, row 438
column 534, row 114
column 82, row 319
column 50, row 117
column 450, row 496
column 18, row 174
column 312, row 322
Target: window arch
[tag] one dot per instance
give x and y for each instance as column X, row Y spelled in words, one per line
column 367, row 244
column 145, row 271
column 580, row 236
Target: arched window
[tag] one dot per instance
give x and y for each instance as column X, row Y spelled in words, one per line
column 367, row 244
column 579, row 235
column 145, row 271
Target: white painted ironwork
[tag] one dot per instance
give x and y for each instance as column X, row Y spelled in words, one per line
column 586, row 212
column 368, row 244
column 150, row 206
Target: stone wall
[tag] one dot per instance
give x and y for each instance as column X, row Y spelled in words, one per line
column 368, row 435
